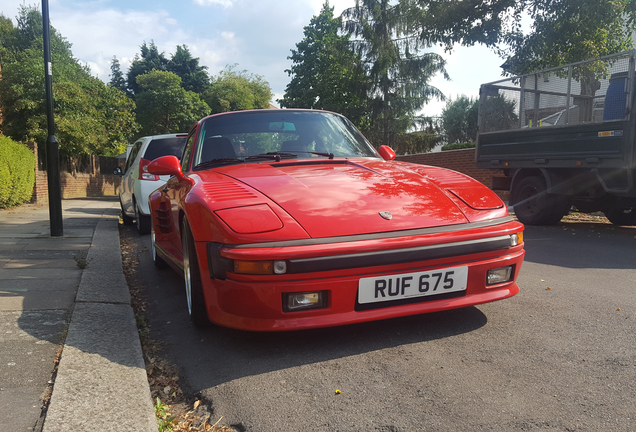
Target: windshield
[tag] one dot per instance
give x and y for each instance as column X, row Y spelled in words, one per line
column 164, row 147
column 278, row 134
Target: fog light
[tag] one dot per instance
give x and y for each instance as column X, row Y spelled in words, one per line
column 306, row 300
column 280, row 267
column 515, row 239
column 499, row 275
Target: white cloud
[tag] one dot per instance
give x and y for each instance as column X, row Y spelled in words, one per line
column 338, row 5
column 224, row 3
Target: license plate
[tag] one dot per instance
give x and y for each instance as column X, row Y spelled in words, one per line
column 409, row 285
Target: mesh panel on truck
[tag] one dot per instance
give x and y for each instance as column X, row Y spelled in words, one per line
column 587, row 92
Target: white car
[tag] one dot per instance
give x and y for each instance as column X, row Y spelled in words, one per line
column 137, row 183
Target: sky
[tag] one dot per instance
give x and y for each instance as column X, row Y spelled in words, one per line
column 257, row 35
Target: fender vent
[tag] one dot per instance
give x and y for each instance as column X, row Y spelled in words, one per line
column 226, row 191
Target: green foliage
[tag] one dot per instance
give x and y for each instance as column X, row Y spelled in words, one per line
column 234, row 91
column 117, row 79
column 502, row 114
column 17, row 173
column 567, row 31
column 459, row 120
column 465, row 22
column 326, row 73
column 398, row 72
column 458, row 146
column 118, row 120
column 164, row 419
column 193, row 76
column 563, row 31
column 163, row 106
column 150, row 59
column 416, row 142
column 86, row 111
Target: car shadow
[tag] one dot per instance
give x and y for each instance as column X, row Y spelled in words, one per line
column 247, row 353
column 209, row 357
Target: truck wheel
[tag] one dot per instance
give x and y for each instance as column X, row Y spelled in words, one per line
column 534, row 206
column 621, row 216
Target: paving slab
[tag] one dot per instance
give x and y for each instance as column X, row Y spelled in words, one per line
column 101, row 358
column 100, row 382
column 28, row 338
column 22, row 400
column 102, row 375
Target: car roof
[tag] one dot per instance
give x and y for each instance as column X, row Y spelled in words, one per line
column 154, row 137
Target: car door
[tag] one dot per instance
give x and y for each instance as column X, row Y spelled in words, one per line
column 128, row 179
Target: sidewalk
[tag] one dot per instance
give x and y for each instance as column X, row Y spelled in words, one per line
column 46, row 298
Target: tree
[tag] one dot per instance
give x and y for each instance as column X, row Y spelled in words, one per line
column 398, row 71
column 84, row 108
column 568, row 31
column 150, row 59
column 163, row 106
column 117, row 79
column 326, row 73
column 563, row 31
column 117, row 113
column 193, row 76
column 234, row 91
column 459, row 120
column 502, row 114
column 465, row 22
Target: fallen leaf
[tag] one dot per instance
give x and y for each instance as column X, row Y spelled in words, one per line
column 196, row 404
column 618, row 309
column 548, row 288
column 338, row 391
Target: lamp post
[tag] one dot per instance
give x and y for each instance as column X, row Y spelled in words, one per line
column 52, row 146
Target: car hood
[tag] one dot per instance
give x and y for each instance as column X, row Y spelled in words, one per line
column 344, row 197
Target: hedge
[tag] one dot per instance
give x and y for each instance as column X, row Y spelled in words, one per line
column 17, row 173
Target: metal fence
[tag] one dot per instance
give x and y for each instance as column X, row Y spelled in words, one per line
column 591, row 91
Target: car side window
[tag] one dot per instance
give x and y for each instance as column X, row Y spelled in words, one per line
column 185, row 160
column 133, row 154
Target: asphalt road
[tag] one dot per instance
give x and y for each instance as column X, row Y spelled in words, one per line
column 559, row 356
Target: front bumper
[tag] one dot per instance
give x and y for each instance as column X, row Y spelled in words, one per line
column 256, row 302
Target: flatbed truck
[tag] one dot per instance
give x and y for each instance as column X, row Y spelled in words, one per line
column 564, row 137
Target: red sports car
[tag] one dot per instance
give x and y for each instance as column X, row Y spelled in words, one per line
column 290, row 219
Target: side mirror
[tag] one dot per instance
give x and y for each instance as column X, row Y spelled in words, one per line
column 386, row 152
column 118, row 171
column 166, row 165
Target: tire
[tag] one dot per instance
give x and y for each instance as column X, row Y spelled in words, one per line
column 534, row 206
column 156, row 259
column 142, row 221
column 127, row 220
column 621, row 216
column 192, row 276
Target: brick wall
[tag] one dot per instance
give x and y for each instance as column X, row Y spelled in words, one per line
column 89, row 176
column 462, row 161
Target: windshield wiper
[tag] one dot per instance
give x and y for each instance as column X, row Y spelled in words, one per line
column 329, row 155
column 276, row 156
column 219, row 161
